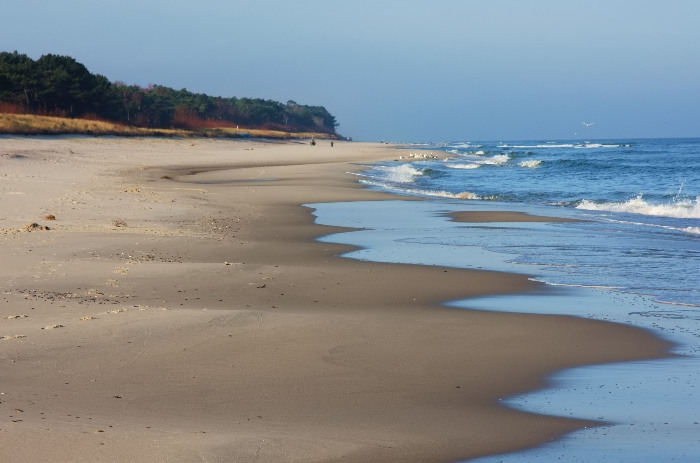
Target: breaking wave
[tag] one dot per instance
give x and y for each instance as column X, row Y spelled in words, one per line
column 465, row 166
column 565, row 145
column 532, row 164
column 681, row 208
column 404, row 173
column 496, row 160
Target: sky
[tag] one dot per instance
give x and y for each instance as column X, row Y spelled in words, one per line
column 400, row 70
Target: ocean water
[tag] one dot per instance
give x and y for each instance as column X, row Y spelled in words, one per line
column 645, row 190
column 633, row 258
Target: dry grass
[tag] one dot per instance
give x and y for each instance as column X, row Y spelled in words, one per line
column 261, row 133
column 26, row 124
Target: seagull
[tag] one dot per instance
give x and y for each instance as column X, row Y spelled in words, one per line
column 588, row 124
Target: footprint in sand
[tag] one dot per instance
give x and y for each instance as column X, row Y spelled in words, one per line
column 12, row 336
column 53, row 327
column 89, row 318
column 12, row 317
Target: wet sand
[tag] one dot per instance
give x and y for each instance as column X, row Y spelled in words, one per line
column 178, row 309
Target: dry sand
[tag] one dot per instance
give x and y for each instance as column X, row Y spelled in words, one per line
column 177, row 309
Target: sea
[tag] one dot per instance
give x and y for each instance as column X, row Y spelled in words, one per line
column 632, row 257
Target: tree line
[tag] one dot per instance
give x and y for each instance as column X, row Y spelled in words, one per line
column 57, row 85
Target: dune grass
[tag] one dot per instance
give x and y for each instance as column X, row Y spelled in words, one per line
column 27, row 124
column 259, row 133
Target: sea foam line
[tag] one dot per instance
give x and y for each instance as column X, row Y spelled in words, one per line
column 416, row 191
column 565, row 145
column 572, row 285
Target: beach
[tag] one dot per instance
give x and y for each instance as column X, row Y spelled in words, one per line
column 178, row 308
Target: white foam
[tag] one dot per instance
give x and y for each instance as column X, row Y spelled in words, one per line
column 404, row 173
column 415, row 191
column 571, row 285
column 547, row 145
column 441, row 193
column 464, row 145
column 496, row 160
column 532, row 164
column 464, row 166
column 682, row 209
column 565, row 145
column 447, row 194
column 598, row 145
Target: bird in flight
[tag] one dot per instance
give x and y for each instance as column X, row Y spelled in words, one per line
column 588, row 124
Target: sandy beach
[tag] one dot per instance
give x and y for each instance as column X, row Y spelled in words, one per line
column 178, row 309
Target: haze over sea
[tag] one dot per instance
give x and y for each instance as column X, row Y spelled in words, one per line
column 634, row 258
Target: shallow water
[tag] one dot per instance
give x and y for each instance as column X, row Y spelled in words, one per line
column 652, row 407
column 596, row 269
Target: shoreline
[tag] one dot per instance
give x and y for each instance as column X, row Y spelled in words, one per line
column 194, row 315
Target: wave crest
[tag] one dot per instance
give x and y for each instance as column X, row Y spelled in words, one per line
column 566, row 145
column 496, row 160
column 404, row 173
column 532, row 164
column 682, row 208
column 464, row 166
column 447, row 194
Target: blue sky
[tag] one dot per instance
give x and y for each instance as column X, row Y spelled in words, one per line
column 400, row 70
